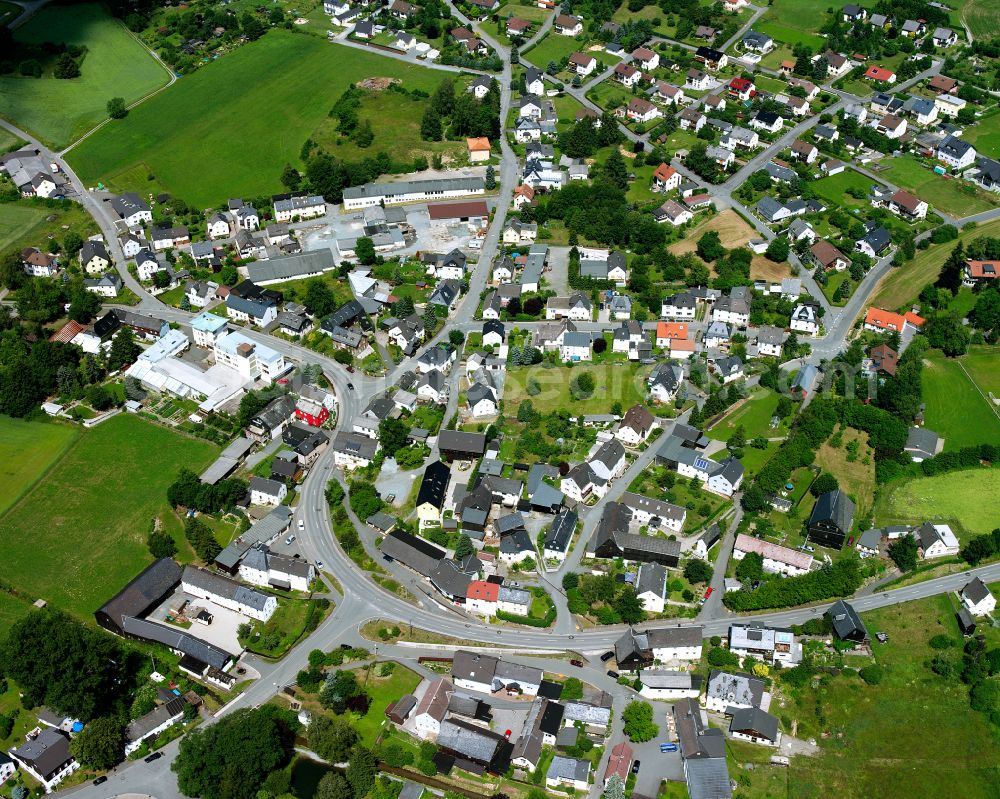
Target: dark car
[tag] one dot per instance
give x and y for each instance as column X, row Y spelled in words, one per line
column 635, row 766
column 154, row 756
column 350, row 369
column 351, row 386
column 100, row 780
column 613, row 674
column 607, row 656
column 578, row 663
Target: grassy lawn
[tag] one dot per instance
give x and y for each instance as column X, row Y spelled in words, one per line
column 958, row 198
column 832, row 284
column 85, row 522
column 903, row 285
column 230, row 149
column 640, row 189
column 553, row 47
column 26, row 224
column 791, row 34
column 955, row 498
column 985, row 135
column 834, row 188
column 11, row 610
column 29, row 449
column 523, row 10
column 395, row 121
column 8, row 141
column 116, row 65
column 288, row 623
column 615, row 382
column 383, row 692
column 755, row 416
column 948, row 386
column 890, row 722
column 856, row 477
column 803, row 15
column 610, row 95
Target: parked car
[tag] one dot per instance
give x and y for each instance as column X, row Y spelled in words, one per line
column 290, row 539
column 154, row 756
column 351, row 386
column 668, row 748
column 607, row 656
column 100, row 780
column 613, row 674
column 635, row 766
column 302, row 525
column 578, row 663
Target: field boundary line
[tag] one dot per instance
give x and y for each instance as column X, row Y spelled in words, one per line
column 71, row 444
column 170, row 82
column 989, row 404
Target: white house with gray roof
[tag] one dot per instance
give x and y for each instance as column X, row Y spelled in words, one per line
column 228, row 593
column 726, row 691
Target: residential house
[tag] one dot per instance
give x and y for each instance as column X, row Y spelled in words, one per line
column 712, row 59
column 433, row 490
column 640, row 649
column 691, row 119
column 831, row 519
column 108, row 285
column 726, row 692
column 353, row 451
column 576, row 307
column 627, row 75
column 732, row 310
column 825, row 255
column 978, row 598
column 847, row 624
column 875, row 242
column 646, row 58
column 651, row 586
column 921, row 444
column 804, row 151
column 891, row 126
column 566, row 25
column 768, row 644
column 582, row 64
column 956, row 153
column 94, row 257
column 666, row 379
column 756, row 726
column 636, row 426
column 228, row 593
column 46, row 756
column 936, row 541
column 777, row 559
column 697, row 80
column 805, row 320
column 639, row 110
column 568, row 772
column 767, row 120
column 39, row 264
column 266, row 492
column 980, row 272
column 880, row 74
column 757, row 42
column 880, row 321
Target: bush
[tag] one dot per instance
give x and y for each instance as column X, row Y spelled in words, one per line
column 697, row 571
column 872, row 674
column 842, row 578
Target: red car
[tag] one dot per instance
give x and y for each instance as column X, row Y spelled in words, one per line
column 708, row 593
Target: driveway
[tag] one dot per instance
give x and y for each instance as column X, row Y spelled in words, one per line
column 393, row 480
column 558, row 274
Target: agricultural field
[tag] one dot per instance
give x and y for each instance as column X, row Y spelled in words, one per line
column 29, row 223
column 955, row 498
column 954, row 197
column 615, row 382
column 87, row 524
column 116, row 65
column 230, row 149
column 833, row 189
column 949, row 386
column 902, row 286
column 28, row 450
column 891, row 719
column 8, row 141
column 853, row 464
column 985, row 134
column 982, row 17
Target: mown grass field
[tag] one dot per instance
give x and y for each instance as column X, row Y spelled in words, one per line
column 27, row 451
column 614, row 382
column 755, row 416
column 230, row 144
column 956, row 408
column 902, row 286
column 982, row 365
column 803, row 15
column 555, row 47
column 383, row 692
column 790, row 34
column 912, row 735
column 955, row 197
column 985, row 134
column 80, row 534
column 28, row 223
column 8, row 141
column 116, row 65
column 834, row 188
column 963, row 499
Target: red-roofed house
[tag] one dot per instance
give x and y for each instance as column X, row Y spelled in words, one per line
column 68, row 332
column 666, row 178
column 981, row 271
column 481, row 597
column 479, row 148
column 517, row 26
column 668, row 93
column 523, row 195
column 568, row 26
column 620, row 763
column 582, row 63
column 666, row 332
column 880, row 74
column 682, row 348
column 741, row 88
column 881, row 321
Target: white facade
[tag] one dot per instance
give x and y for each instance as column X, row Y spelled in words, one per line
column 270, row 604
column 251, row 359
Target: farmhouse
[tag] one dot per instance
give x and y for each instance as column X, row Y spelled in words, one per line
column 978, row 598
